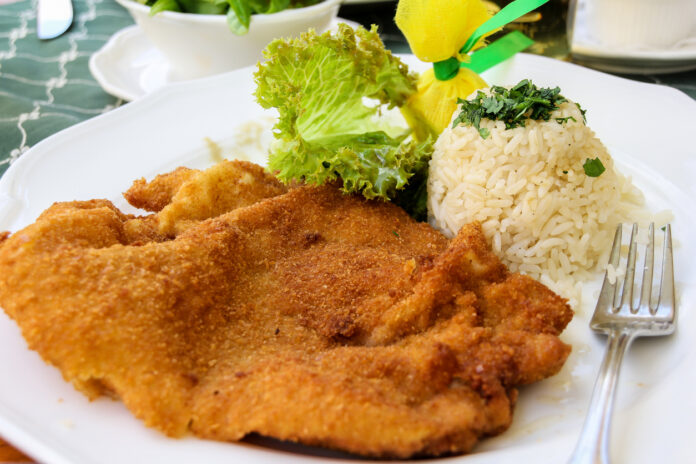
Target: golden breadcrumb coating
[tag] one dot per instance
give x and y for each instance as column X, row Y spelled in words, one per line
column 306, row 315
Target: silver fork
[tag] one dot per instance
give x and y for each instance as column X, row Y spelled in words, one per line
column 622, row 320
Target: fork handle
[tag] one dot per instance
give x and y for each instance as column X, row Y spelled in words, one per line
column 593, row 445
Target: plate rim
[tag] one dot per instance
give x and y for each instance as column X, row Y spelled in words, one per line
column 165, row 93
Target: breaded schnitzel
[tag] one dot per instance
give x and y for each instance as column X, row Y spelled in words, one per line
column 185, row 196
column 309, row 316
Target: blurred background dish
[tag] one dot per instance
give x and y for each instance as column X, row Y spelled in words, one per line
column 636, row 61
column 646, row 37
column 640, row 24
column 197, row 45
column 129, row 66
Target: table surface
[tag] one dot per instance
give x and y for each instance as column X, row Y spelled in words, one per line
column 46, row 86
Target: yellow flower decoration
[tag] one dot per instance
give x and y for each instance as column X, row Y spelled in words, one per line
column 437, row 29
column 435, row 101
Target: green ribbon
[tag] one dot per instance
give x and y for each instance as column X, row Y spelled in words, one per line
column 497, row 52
column 507, row 15
column 447, row 69
column 502, row 48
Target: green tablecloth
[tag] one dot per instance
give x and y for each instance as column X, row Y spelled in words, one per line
column 46, row 86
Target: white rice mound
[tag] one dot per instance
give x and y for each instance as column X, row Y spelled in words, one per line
column 542, row 214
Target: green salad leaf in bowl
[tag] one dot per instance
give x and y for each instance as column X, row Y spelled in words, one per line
column 238, row 11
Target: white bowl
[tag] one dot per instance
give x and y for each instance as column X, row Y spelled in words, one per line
column 197, row 45
column 642, row 24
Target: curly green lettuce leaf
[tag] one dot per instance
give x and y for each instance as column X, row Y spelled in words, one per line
column 330, row 91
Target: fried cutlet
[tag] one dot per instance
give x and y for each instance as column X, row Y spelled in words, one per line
column 310, row 315
column 185, row 196
column 158, row 193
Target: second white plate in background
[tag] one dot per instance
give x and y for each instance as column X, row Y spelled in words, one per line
column 588, row 49
column 128, row 66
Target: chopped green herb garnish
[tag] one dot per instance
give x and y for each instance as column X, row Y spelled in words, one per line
column 584, row 118
column 566, row 119
column 512, row 106
column 593, row 167
column 396, row 233
column 565, row 172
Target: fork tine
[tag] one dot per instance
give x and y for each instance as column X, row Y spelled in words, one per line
column 608, row 291
column 627, row 293
column 615, row 254
column 646, row 287
column 666, row 299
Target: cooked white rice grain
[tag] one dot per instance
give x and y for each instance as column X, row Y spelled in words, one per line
column 527, row 187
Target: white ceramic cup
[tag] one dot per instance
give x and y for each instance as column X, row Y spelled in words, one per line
column 197, row 45
column 641, row 23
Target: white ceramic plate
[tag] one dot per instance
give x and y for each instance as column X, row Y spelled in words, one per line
column 649, row 130
column 129, row 66
column 589, row 50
